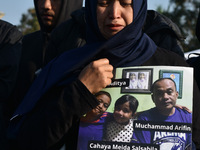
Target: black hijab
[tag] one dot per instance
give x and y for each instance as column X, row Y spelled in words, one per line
column 129, row 47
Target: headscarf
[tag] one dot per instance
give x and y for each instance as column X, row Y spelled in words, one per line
column 129, row 47
column 66, row 8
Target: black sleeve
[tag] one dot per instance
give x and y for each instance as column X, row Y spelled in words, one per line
column 54, row 115
column 196, row 116
column 10, row 52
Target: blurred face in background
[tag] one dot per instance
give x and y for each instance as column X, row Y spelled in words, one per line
column 113, row 16
column 49, row 11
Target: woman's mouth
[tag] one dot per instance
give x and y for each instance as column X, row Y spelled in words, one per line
column 115, row 27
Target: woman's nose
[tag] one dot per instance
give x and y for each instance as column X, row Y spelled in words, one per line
column 115, row 10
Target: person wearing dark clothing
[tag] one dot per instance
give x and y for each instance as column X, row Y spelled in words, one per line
column 50, row 14
column 195, row 61
column 198, row 27
column 10, row 53
column 164, row 32
column 63, row 91
column 71, row 34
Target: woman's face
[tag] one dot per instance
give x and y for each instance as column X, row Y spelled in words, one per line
column 104, row 103
column 113, row 16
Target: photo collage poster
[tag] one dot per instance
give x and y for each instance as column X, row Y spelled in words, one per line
column 140, row 116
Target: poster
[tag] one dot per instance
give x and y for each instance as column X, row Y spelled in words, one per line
column 144, row 111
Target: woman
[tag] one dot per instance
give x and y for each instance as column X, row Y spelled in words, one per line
column 92, row 124
column 64, row 90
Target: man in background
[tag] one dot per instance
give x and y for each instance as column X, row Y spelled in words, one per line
column 50, row 14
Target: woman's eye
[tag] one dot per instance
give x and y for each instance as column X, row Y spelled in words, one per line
column 103, row 3
column 126, row 4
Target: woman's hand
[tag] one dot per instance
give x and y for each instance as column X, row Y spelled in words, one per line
column 97, row 75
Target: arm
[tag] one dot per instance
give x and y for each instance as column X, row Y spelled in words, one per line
column 59, row 107
column 97, row 75
column 10, row 52
column 54, row 115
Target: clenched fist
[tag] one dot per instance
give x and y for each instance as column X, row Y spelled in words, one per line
column 97, row 75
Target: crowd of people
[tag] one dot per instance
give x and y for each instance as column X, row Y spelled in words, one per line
column 52, row 79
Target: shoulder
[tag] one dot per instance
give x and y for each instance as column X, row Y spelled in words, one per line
column 184, row 115
column 158, row 22
column 184, row 112
column 147, row 115
column 9, row 33
column 68, row 35
column 167, row 58
column 75, row 25
column 106, row 114
column 164, row 32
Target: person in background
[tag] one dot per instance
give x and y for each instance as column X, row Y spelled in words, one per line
column 198, row 27
column 195, row 61
column 50, row 14
column 64, row 90
column 164, row 32
column 10, row 53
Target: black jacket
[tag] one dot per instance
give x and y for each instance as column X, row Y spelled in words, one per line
column 197, row 27
column 164, row 32
column 195, row 61
column 10, row 53
column 58, row 112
